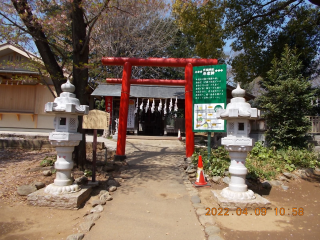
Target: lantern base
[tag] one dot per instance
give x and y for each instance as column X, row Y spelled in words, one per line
column 229, row 194
column 234, row 204
column 54, row 189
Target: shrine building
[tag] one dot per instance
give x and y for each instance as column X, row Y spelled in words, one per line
column 143, row 119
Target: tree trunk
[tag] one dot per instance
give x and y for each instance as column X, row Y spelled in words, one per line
column 40, row 40
column 80, row 70
column 80, row 58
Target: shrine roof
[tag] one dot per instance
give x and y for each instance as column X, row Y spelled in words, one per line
column 141, row 91
column 151, row 91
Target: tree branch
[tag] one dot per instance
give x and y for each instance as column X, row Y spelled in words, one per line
column 272, row 11
column 23, row 9
column 29, row 32
column 315, row 2
column 41, row 77
column 121, row 10
column 14, row 24
column 92, row 22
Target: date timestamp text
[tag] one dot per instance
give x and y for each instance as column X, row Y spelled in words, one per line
column 257, row 211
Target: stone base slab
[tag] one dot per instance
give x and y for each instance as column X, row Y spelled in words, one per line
column 60, row 201
column 231, row 204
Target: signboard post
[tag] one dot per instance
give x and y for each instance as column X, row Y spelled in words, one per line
column 209, row 95
column 95, row 120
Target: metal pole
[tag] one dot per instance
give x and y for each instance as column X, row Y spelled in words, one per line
column 209, row 145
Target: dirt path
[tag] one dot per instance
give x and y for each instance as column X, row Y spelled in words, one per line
column 153, row 203
column 304, row 195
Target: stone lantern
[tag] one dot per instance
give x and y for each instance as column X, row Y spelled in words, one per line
column 237, row 142
column 65, row 137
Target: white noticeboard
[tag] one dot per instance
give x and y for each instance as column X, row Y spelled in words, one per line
column 205, row 116
column 130, row 122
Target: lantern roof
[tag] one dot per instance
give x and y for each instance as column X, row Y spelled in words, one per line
column 67, row 102
column 238, row 107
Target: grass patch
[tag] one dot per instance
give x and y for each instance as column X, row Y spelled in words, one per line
column 87, row 173
column 48, row 161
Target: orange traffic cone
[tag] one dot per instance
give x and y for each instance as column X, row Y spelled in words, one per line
column 200, row 181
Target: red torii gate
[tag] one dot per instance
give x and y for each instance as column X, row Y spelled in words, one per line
column 127, row 63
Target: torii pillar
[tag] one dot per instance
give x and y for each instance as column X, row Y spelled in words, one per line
column 126, row 80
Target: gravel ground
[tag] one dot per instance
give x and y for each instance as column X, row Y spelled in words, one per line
column 20, row 167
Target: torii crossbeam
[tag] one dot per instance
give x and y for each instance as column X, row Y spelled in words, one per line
column 127, row 63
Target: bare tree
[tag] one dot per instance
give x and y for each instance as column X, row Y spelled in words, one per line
column 148, row 33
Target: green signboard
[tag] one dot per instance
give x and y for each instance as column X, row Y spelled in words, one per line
column 209, row 95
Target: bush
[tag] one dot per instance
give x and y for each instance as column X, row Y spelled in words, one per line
column 217, row 164
column 262, row 162
column 267, row 163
